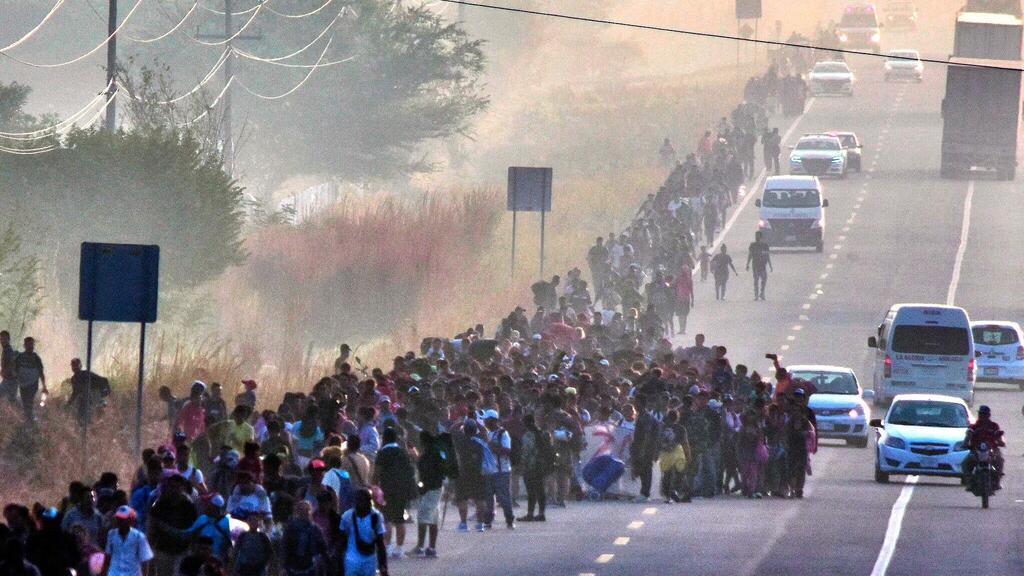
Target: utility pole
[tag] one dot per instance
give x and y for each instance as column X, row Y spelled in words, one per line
column 111, row 119
column 227, row 132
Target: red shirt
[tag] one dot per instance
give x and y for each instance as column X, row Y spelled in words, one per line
column 191, row 419
column 985, row 431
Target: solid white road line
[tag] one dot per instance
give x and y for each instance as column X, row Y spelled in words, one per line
column 965, row 228
column 892, row 532
column 757, row 184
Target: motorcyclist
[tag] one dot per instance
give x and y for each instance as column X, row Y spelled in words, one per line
column 984, row 431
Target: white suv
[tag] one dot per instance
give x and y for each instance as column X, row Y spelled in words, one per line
column 999, row 346
column 819, row 155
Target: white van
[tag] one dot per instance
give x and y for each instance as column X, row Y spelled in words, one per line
column 792, row 211
column 924, row 349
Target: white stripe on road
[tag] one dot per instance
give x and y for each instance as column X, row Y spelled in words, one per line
column 892, row 532
column 965, row 228
column 757, row 184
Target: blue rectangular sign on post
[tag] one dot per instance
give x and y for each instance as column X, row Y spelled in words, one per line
column 118, row 282
column 529, row 189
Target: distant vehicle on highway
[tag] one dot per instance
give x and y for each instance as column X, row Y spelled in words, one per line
column 901, row 14
column 999, row 346
column 831, row 78
column 792, row 211
column 853, row 147
column 839, row 404
column 859, row 28
column 923, row 348
column 818, row 155
column 904, row 65
column 922, row 434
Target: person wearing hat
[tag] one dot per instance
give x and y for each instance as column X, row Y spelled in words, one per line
column 497, row 476
column 215, row 524
column 248, row 395
column 127, row 550
column 52, row 550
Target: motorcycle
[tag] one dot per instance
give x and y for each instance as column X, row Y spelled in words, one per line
column 982, row 480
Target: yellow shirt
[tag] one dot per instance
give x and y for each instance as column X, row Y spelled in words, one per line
column 236, row 435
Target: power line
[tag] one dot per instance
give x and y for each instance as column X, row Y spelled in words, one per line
column 38, row 27
column 169, row 32
column 238, row 33
column 652, row 28
column 296, row 87
column 300, row 50
column 47, row 131
column 124, row 22
column 307, row 14
column 224, row 13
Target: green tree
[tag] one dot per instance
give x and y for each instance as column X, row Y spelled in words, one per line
column 150, row 185
column 414, row 77
column 20, row 289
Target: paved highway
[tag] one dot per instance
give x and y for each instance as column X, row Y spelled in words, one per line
column 895, row 233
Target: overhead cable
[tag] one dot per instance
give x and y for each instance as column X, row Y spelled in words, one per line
column 652, row 28
column 44, row 132
column 297, row 86
column 124, row 22
column 223, row 13
column 304, row 48
column 211, row 105
column 38, row 27
column 307, row 14
column 209, row 76
column 238, row 33
column 174, row 29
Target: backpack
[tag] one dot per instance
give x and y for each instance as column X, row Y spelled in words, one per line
column 345, row 496
column 365, row 548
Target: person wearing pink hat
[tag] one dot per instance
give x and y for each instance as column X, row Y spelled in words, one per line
column 127, row 550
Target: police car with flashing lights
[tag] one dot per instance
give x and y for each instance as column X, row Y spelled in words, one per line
column 819, row 155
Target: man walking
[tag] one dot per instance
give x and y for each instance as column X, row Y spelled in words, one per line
column 772, row 144
column 29, row 369
column 644, row 449
column 8, row 373
column 759, row 255
column 597, row 258
column 720, row 266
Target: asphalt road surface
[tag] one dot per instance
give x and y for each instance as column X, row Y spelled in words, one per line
column 895, row 233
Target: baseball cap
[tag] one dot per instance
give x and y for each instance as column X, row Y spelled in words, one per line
column 50, row 513
column 488, row 414
column 249, row 384
column 125, row 513
column 570, row 391
column 317, row 464
column 554, row 378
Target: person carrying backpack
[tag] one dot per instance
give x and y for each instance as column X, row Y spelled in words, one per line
column 303, row 544
column 362, row 538
column 497, row 469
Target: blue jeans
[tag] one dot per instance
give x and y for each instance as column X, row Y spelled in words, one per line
column 707, row 471
column 497, row 487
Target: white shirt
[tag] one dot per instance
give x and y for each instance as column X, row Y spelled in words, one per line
column 504, row 462
column 363, row 530
column 127, row 554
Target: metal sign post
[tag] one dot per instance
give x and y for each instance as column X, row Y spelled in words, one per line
column 529, row 190
column 118, row 283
